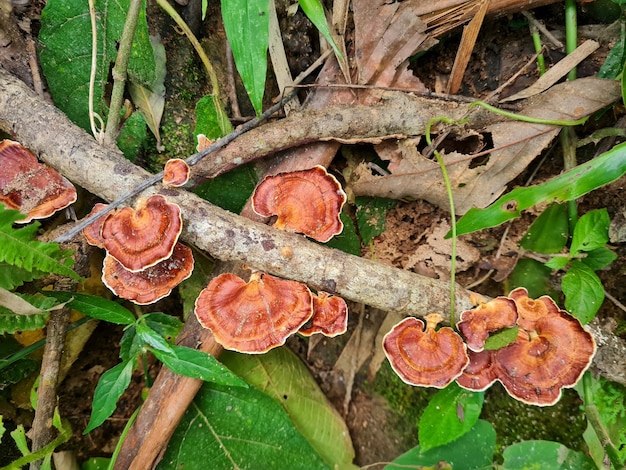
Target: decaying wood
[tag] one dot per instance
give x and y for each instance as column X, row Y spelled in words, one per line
column 106, row 173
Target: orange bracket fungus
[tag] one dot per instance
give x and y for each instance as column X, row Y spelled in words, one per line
column 426, row 358
column 143, row 237
column 151, row 284
column 480, row 373
column 487, row 317
column 31, row 187
column 256, row 316
column 93, row 232
column 531, row 310
column 330, row 316
column 175, row 173
column 307, row 201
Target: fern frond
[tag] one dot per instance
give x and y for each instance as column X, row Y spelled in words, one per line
column 10, row 322
column 12, row 276
column 20, row 248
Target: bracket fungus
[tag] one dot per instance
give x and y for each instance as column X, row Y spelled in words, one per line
column 480, row 373
column 330, row 316
column 307, row 201
column 31, row 187
column 425, row 358
column 255, row 316
column 93, row 231
column 151, row 284
column 531, row 310
column 175, row 173
column 143, row 237
column 487, row 317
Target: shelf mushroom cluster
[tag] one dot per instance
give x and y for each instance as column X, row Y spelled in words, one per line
column 256, row 316
column 551, row 352
column 31, row 187
column 144, row 260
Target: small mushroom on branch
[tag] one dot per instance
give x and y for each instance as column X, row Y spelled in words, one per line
column 176, row 173
column 307, row 201
column 330, row 316
column 31, row 187
column 93, row 232
column 488, row 317
column 425, row 358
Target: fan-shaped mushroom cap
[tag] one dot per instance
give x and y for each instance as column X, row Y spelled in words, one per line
column 255, row 316
column 93, row 232
column 307, row 202
column 425, row 358
column 486, row 318
column 142, row 238
column 481, row 372
column 31, row 187
column 151, row 284
column 176, row 173
column 330, row 316
column 541, row 362
column 530, row 310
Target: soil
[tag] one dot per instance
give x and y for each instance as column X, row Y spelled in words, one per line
column 380, row 410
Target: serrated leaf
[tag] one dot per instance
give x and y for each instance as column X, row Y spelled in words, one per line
column 198, row 365
column 583, row 291
column 151, row 100
column 13, row 276
column 95, row 307
column 246, row 23
column 591, row 231
column 545, row 455
column 532, row 275
column 371, row 215
column 21, row 249
column 232, row 427
column 108, row 391
column 10, row 322
column 599, row 258
column 549, row 232
column 472, row 451
column 450, row 413
column 133, row 136
column 65, row 54
column 557, row 262
column 282, row 376
column 501, row 339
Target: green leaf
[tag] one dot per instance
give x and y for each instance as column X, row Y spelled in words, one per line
column 130, row 344
column 544, row 455
column 13, row 276
column 210, row 119
column 347, row 241
column 21, row 249
column 198, row 365
column 583, row 291
column 501, row 339
column 108, row 391
column 591, row 231
column 532, row 275
column 165, row 325
column 94, row 307
column 65, row 54
column 557, row 262
column 567, row 186
column 230, row 190
column 151, row 338
column 133, row 136
column 371, row 215
column 549, row 232
column 228, row 428
column 614, row 62
column 314, row 10
column 247, row 28
column 472, row 451
column 599, row 258
column 450, row 413
column 11, row 322
column 282, row 376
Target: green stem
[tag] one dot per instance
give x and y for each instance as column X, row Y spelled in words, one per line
column 521, row 117
column 571, row 34
column 120, row 442
column 591, row 411
column 120, row 72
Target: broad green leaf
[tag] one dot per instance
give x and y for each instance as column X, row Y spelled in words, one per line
column 247, row 28
column 2, row 428
column 614, row 62
column 198, row 365
column 130, row 344
column 95, row 307
column 282, row 376
column 347, row 241
column 599, row 258
column 557, row 262
column 108, row 391
column 450, row 413
column 230, row 190
column 472, row 451
column 591, row 231
column 371, row 215
column 96, row 463
column 210, row 119
column 314, row 10
column 583, row 291
column 20, row 248
column 233, row 427
column 65, row 53
column 133, row 136
column 151, row 338
column 567, row 186
column 501, row 339
column 532, row 275
column 167, row 326
column 549, row 232
column 544, row 455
